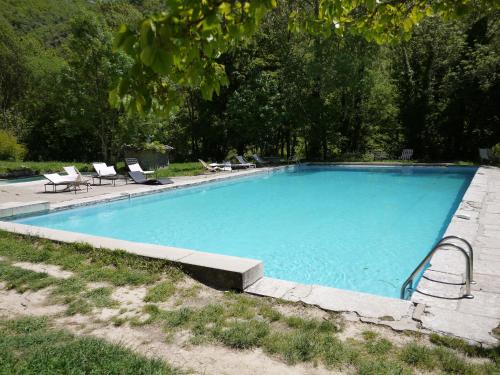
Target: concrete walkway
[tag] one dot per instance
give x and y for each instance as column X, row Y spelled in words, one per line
column 442, row 287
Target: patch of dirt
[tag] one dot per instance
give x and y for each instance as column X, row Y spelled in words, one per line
column 354, row 330
column 192, row 294
column 13, row 303
column 49, row 269
column 131, row 298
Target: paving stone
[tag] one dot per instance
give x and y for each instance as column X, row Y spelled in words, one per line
column 491, row 226
column 493, row 208
column 487, row 250
column 366, row 305
column 483, row 241
column 271, row 287
column 486, row 283
column 448, row 261
column 466, row 326
column 489, row 257
column 489, row 218
column 447, row 304
column 483, row 304
column 474, row 196
column 298, row 293
column 487, row 267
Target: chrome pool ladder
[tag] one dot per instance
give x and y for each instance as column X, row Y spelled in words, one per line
column 407, row 287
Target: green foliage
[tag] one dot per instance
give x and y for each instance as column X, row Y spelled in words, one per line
column 243, row 335
column 154, row 146
column 160, row 292
column 30, row 346
column 22, row 280
column 90, row 264
column 9, row 148
column 418, row 356
column 495, row 150
column 180, row 46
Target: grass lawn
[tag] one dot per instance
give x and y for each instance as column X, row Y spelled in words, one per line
column 29, row 345
column 41, row 167
column 189, row 315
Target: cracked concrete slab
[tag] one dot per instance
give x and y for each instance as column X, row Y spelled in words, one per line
column 376, row 308
column 270, row 287
column 465, row 326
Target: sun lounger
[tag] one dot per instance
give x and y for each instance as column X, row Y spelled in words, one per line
column 243, row 163
column 73, row 171
column 140, row 178
column 210, row 168
column 104, row 172
column 55, row 179
column 407, row 154
column 134, row 166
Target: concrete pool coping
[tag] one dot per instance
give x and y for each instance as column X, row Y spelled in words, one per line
column 423, row 312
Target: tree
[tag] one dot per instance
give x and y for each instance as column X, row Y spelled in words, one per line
column 180, row 46
column 13, row 71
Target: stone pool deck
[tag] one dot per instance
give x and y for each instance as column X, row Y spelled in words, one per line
column 435, row 306
column 477, row 220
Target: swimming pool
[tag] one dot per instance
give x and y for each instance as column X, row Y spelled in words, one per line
column 357, row 228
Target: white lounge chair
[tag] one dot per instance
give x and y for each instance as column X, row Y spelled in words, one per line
column 105, row 172
column 244, row 163
column 210, row 168
column 407, row 154
column 134, row 166
column 485, row 154
column 55, row 179
column 73, row 172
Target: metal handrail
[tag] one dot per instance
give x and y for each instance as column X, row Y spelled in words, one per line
column 423, row 263
column 469, row 246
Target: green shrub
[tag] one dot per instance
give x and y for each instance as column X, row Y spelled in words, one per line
column 9, row 148
column 495, row 151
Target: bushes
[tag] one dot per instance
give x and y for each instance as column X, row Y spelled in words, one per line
column 495, row 151
column 9, row 148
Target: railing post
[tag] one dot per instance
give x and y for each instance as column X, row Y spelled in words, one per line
column 440, row 244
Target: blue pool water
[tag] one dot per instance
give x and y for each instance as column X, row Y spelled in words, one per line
column 357, row 228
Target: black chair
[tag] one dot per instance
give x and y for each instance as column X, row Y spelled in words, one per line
column 140, row 178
